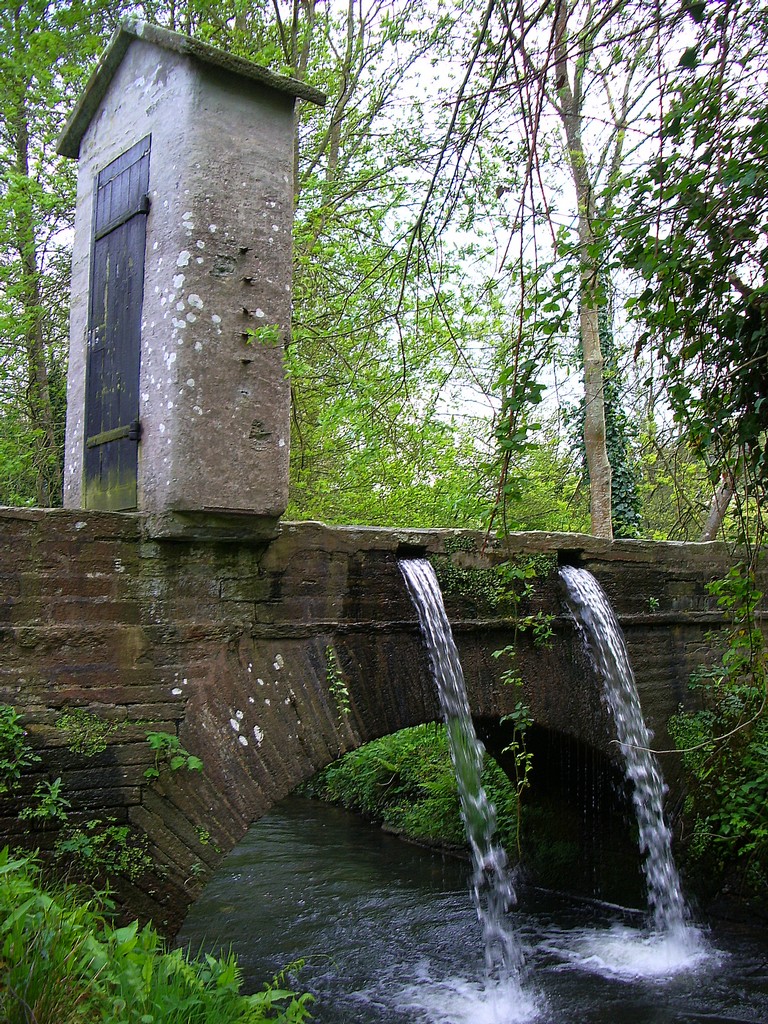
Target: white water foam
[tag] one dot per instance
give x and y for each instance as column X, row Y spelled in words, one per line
column 459, row 1001
column 631, row 954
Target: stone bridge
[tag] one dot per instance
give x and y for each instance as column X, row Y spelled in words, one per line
column 269, row 660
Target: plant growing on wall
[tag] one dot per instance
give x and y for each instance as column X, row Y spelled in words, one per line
column 98, row 849
column 16, row 755
column 87, row 733
column 505, row 588
column 724, row 746
column 103, row 849
column 169, row 753
column 337, row 688
column 522, row 761
column 519, row 577
column 48, row 804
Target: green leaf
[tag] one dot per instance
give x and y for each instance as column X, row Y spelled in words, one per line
column 696, row 9
column 12, row 865
column 689, row 58
column 125, row 937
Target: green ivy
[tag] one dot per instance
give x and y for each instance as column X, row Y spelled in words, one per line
column 460, row 542
column 626, row 504
column 483, row 586
column 503, row 588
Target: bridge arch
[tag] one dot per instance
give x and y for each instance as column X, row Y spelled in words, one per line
column 269, row 660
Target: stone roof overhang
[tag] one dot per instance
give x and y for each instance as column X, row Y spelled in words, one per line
column 130, row 30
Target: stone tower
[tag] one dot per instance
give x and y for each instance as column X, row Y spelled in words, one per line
column 178, row 404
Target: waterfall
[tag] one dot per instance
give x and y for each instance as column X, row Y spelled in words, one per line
column 604, row 639
column 492, row 889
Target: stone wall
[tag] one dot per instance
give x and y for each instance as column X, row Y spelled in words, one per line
column 268, row 661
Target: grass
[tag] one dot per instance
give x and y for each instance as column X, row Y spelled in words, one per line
column 63, row 962
column 407, row 782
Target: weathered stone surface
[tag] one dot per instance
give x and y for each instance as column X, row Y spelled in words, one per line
column 269, row 661
column 213, row 395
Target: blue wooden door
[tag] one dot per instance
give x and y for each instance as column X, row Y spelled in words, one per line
column 112, row 427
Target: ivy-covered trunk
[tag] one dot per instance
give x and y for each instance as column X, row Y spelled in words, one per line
column 594, row 415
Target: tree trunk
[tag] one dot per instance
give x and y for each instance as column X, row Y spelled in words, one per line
column 594, row 421
column 570, row 110
column 720, row 502
column 48, row 470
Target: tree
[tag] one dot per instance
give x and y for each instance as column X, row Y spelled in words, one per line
column 569, row 69
column 375, row 353
column 695, row 231
column 45, row 51
column 359, row 322
column 552, row 86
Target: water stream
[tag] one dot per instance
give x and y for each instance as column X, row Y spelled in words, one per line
column 390, row 937
column 492, row 888
column 593, row 614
